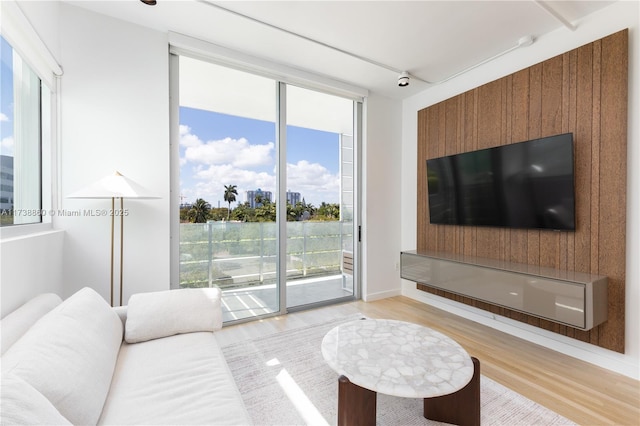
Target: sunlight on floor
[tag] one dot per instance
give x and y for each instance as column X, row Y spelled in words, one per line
column 242, row 304
column 256, row 300
column 272, row 362
column 303, row 405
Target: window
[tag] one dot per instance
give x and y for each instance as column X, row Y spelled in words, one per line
column 21, row 130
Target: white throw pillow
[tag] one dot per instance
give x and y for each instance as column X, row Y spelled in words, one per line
column 69, row 355
column 21, row 404
column 166, row 313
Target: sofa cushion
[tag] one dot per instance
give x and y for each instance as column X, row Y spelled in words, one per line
column 166, row 313
column 21, row 404
column 19, row 321
column 69, row 355
column 179, row 380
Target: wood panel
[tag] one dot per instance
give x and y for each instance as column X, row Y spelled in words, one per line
column 583, row 91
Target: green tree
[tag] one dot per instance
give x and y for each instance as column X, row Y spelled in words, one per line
column 230, row 193
column 334, row 211
column 199, row 211
column 217, row 213
column 244, row 213
column 328, row 211
column 308, row 208
column 266, row 212
column 184, row 214
column 297, row 211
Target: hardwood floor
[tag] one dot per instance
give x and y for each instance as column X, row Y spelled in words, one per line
column 582, row 392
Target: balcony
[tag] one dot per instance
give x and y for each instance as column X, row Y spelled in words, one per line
column 240, row 259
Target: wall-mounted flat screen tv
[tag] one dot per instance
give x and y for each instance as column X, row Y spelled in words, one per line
column 522, row 185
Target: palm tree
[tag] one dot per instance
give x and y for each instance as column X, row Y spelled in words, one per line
column 230, row 193
column 329, row 211
column 244, row 213
column 266, row 212
column 199, row 211
column 333, row 211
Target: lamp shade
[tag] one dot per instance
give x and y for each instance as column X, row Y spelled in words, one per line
column 113, row 186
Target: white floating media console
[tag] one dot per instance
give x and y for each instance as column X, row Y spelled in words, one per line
column 571, row 298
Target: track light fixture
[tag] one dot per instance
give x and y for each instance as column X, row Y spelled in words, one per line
column 403, row 79
column 149, row 2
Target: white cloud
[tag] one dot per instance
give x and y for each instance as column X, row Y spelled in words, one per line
column 313, row 181
column 213, row 179
column 6, row 146
column 3, row 117
column 209, row 166
column 187, row 138
column 236, row 152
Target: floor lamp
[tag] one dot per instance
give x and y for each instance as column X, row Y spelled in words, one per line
column 114, row 186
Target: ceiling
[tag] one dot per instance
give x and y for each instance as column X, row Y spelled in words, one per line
column 363, row 43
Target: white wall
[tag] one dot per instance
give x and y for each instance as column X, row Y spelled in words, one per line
column 44, row 18
column 30, row 266
column 114, row 116
column 32, row 263
column 381, row 198
column 612, row 19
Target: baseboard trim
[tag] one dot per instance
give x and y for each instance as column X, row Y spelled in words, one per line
column 370, row 297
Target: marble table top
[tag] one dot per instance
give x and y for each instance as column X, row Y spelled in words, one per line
column 397, row 358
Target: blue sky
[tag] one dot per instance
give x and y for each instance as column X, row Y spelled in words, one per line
column 218, row 149
column 6, row 103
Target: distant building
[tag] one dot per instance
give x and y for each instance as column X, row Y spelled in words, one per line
column 293, row 197
column 6, row 182
column 261, row 195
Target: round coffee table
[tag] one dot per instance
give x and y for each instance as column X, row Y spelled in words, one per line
column 405, row 360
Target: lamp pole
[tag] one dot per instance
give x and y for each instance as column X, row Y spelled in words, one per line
column 114, row 186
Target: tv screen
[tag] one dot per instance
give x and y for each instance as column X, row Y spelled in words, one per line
column 522, row 185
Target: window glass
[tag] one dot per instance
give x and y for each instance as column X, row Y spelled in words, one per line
column 20, row 140
column 228, row 187
column 241, row 136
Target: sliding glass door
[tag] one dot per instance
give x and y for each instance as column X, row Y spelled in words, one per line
column 267, row 185
column 320, row 197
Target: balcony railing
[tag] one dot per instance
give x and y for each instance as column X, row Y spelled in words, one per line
column 239, row 254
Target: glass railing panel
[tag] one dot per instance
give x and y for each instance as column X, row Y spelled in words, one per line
column 240, row 259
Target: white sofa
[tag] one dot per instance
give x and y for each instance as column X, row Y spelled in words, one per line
column 82, row 362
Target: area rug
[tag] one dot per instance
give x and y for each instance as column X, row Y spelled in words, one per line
column 284, row 380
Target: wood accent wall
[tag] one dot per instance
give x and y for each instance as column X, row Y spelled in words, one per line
column 583, row 91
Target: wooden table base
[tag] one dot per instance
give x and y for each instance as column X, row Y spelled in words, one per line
column 357, row 405
column 458, row 408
